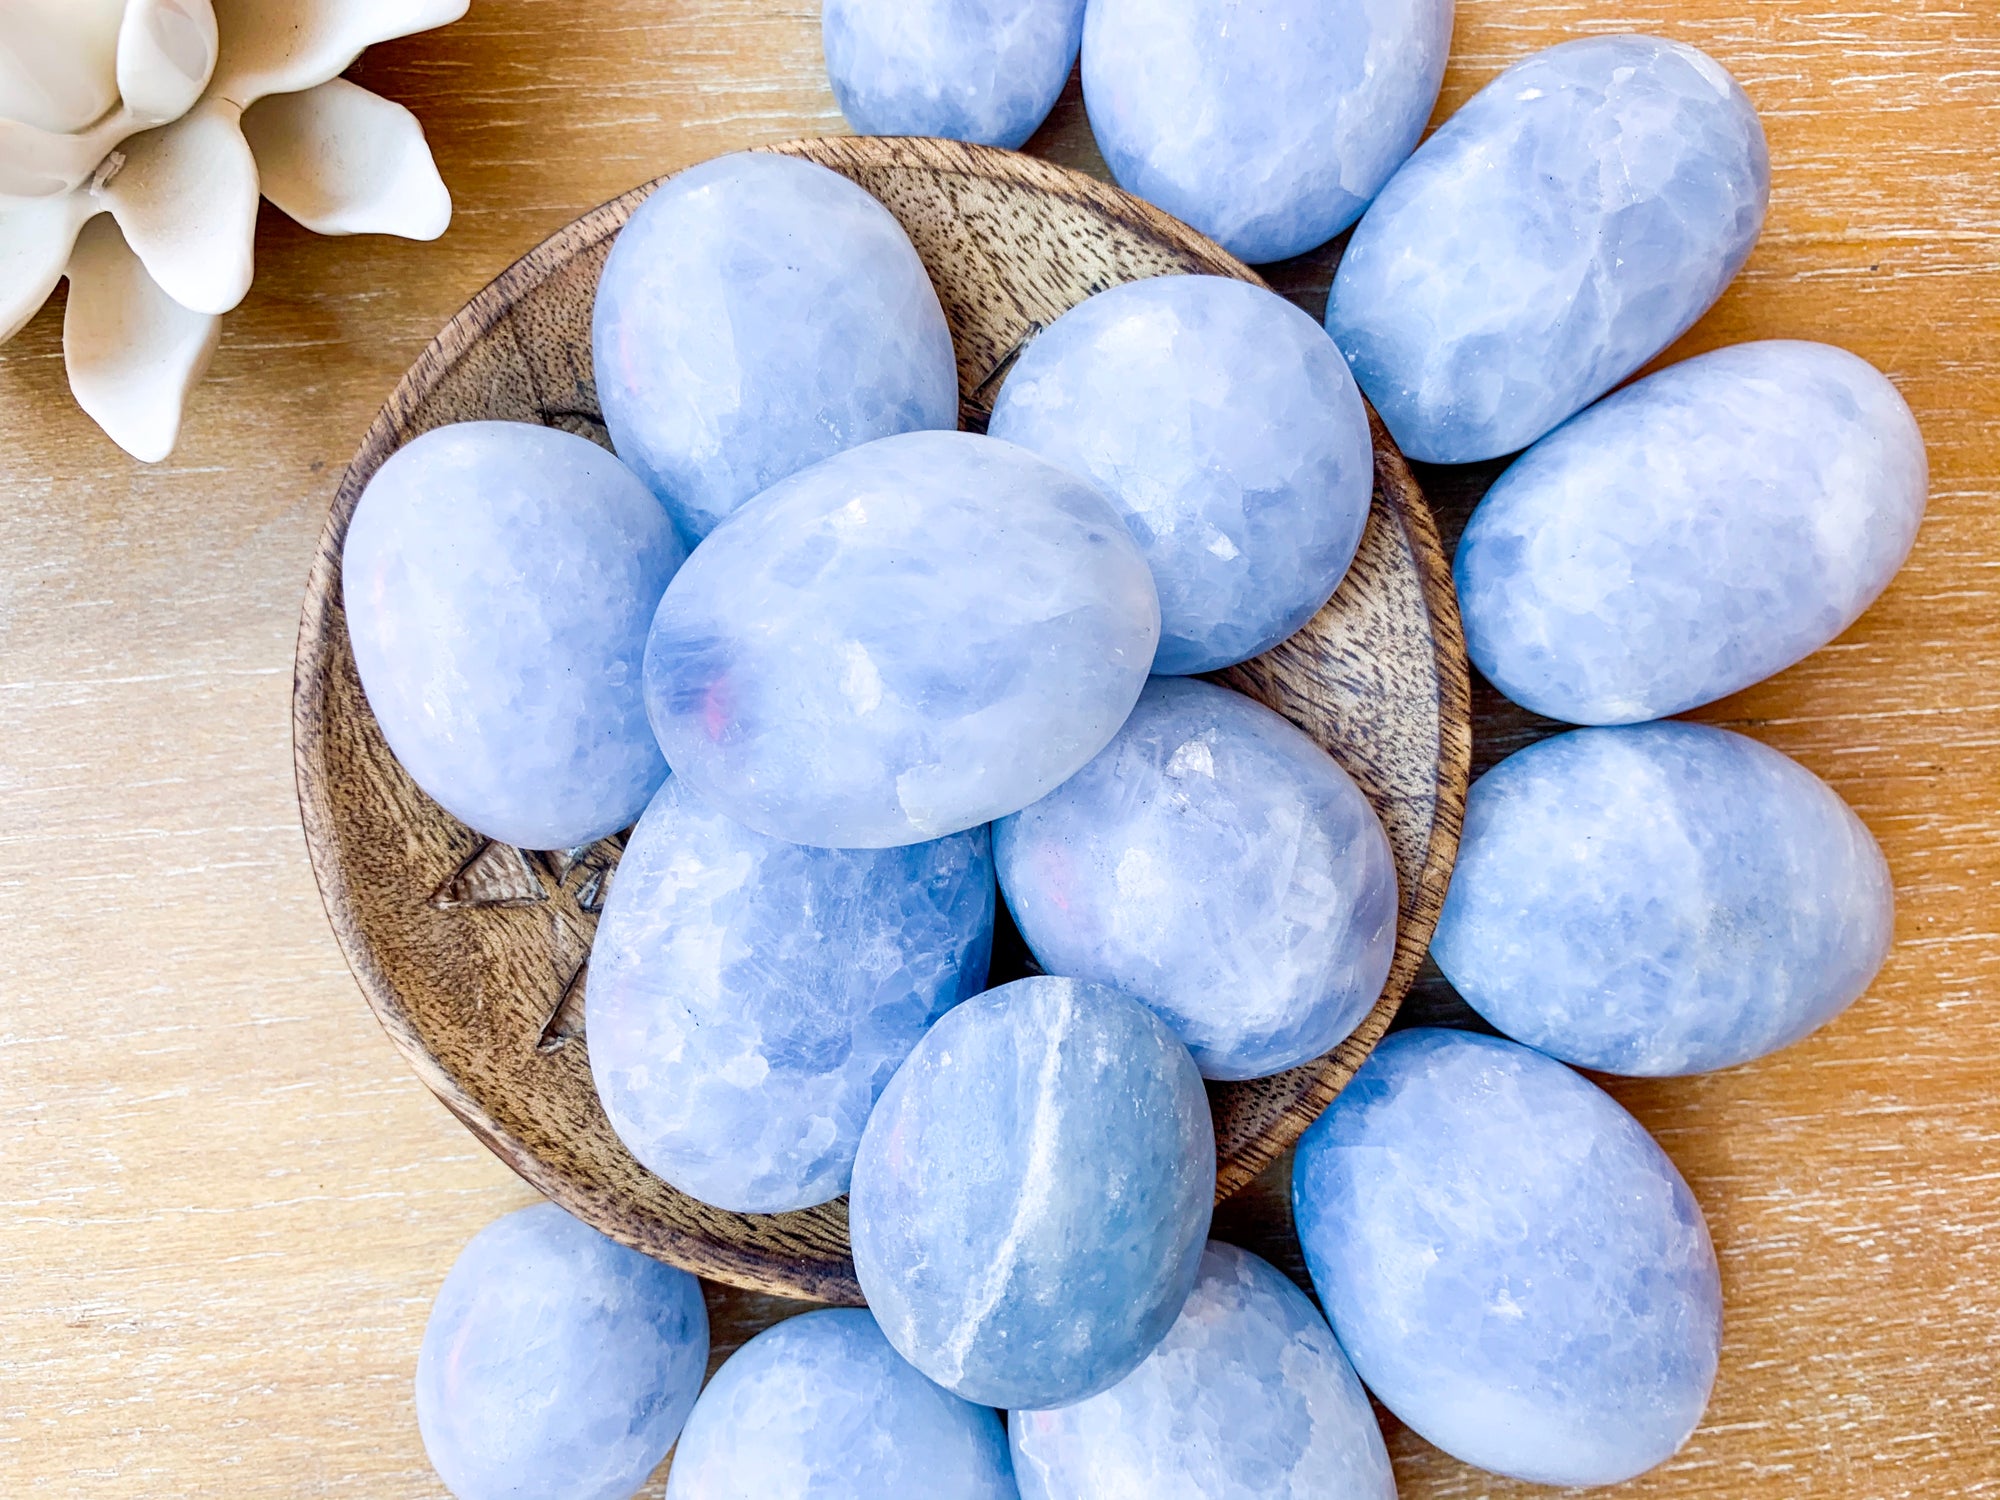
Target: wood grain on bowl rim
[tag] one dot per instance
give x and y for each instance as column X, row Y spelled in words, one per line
column 472, row 953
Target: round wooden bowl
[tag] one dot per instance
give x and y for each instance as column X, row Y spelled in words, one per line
column 472, row 953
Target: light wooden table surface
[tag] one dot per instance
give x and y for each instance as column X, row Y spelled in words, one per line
column 224, row 1204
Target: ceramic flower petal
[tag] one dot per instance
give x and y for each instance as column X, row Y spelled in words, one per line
column 166, row 52
column 341, row 160
column 37, row 163
column 58, row 62
column 186, row 198
column 135, row 108
column 74, row 82
column 133, row 352
column 35, row 242
column 287, row 46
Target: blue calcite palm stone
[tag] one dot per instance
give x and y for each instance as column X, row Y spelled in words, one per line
column 1268, row 127
column 1225, row 427
column 1032, row 1193
column 909, row 639
column 1516, row 1270
column 819, row 1407
column 749, row 998
column 557, row 1362
column 759, row 313
column 1247, row 1398
column 1214, row 862
column 1561, row 229
column 1661, row 899
column 1692, row 534
column 499, row 581
column 967, row 70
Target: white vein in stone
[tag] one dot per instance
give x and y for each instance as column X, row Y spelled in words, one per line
column 1031, row 1193
column 1044, row 1140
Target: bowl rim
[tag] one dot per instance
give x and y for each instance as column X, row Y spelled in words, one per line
column 322, row 628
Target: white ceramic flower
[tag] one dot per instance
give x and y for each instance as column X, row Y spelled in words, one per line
column 168, row 118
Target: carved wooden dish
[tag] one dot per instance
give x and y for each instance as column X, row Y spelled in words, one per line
column 472, row 953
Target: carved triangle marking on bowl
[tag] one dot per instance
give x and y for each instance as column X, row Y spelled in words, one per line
column 571, row 884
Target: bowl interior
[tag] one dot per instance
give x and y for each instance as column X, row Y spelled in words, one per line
column 473, row 953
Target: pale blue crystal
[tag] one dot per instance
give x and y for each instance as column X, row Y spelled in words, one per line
column 911, row 638
column 1516, row 1270
column 1032, row 1193
column 557, row 1362
column 749, row 998
column 1214, row 862
column 1556, row 233
column 499, row 579
column 819, row 1407
column 1659, row 899
column 1692, row 534
column 757, row 314
column 967, row 70
column 1225, row 427
column 1247, row 1398
column 1267, row 126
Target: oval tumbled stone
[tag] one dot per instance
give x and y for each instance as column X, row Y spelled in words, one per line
column 748, row 998
column 557, row 1362
column 1659, row 899
column 1224, row 425
column 1247, row 1398
column 1513, row 1265
column 819, row 1407
column 499, row 581
column 1561, row 229
column 757, row 314
column 1032, row 1193
column 1692, row 534
column 1269, row 126
column 1216, row 863
column 916, row 636
column 966, row 70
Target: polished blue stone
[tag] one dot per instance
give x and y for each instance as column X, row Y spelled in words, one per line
column 499, row 579
column 1247, row 1398
column 557, row 1362
column 749, row 998
column 967, row 70
column 1556, row 233
column 1692, row 534
column 1266, row 126
column 1516, row 1270
column 912, row 638
column 819, row 1407
column 1214, row 862
column 1032, row 1193
column 757, row 314
column 1225, row 427
column 1662, row 898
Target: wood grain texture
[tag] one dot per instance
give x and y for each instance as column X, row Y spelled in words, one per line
column 474, row 954
column 225, row 1202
